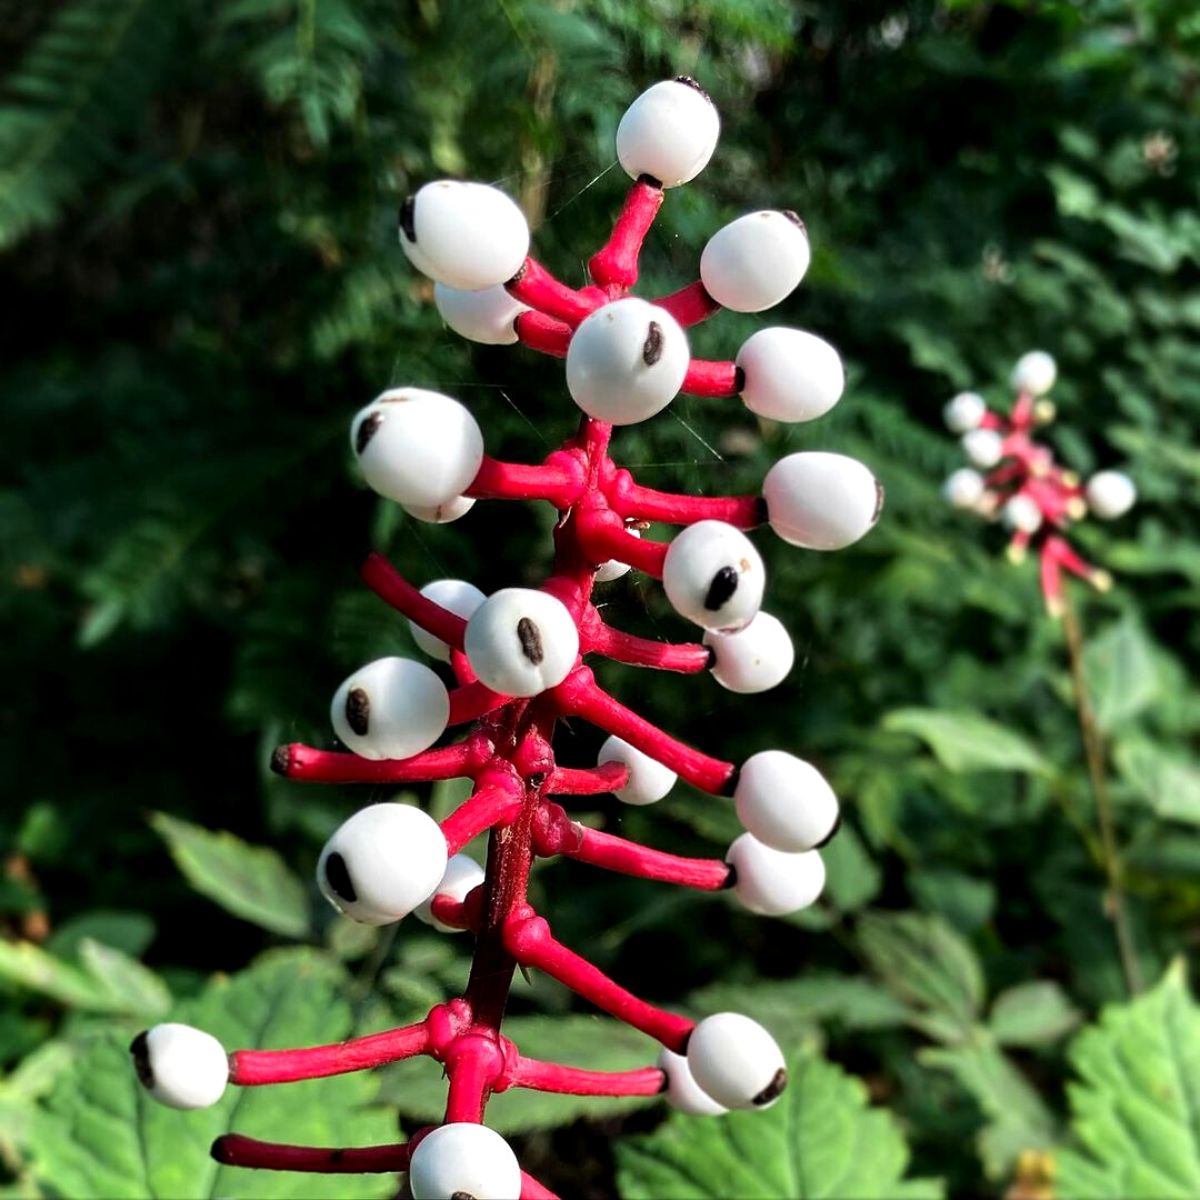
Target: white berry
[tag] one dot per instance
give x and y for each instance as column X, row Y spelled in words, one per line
column 790, row 375
column 669, row 132
column 683, row 1092
column 461, row 1160
column 1022, row 514
column 180, row 1066
column 713, row 576
column 1110, row 494
column 821, row 501
column 785, row 802
column 752, row 659
column 626, row 361
column 521, row 642
column 485, row 316
column 441, row 514
column 382, row 862
column 964, row 488
column 754, row 262
column 462, row 876
column 391, row 708
column 468, row 236
column 736, row 1061
column 460, row 597
column 417, row 447
column 964, row 412
column 984, row 447
column 649, row 781
column 1034, row 373
column 774, row 882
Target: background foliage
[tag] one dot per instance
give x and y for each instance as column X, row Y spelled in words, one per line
column 196, row 208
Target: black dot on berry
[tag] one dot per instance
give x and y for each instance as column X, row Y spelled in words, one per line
column 773, row 1090
column 652, row 348
column 688, row 81
column 140, row 1049
column 724, row 584
column 281, row 760
column 461, row 1196
column 368, row 427
column 408, row 214
column 530, row 638
column 878, row 502
column 337, row 875
column 794, row 217
column 739, row 380
column 837, row 824
column 358, row 711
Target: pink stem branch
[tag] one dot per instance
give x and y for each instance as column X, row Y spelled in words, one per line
column 615, row 265
column 458, row 914
column 492, row 804
column 235, row 1150
column 390, row 586
column 690, row 305
column 1051, row 579
column 542, row 333
column 593, row 781
column 705, row 378
column 603, row 539
column 304, row 763
column 252, row 1068
column 473, row 1067
column 629, row 858
column 632, row 500
column 535, row 286
column 532, row 1190
column 637, row 651
column 573, row 1081
column 553, row 481
column 473, row 700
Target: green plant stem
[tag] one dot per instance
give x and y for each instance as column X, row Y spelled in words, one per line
column 1093, row 747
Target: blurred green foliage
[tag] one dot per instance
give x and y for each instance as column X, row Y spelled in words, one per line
column 197, row 210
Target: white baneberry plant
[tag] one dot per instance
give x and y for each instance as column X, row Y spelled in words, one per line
column 518, row 660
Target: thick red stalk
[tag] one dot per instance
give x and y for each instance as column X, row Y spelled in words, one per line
column 472, row 701
column 629, row 858
column 297, row 761
column 541, row 333
column 706, row 378
column 632, row 500
column 387, row 583
column 558, row 480
column 615, row 266
column 571, row 781
column 690, row 305
column 492, row 804
column 602, row 535
column 252, row 1068
column 473, row 1066
column 572, row 1081
column 637, row 651
column 532, row 1190
column 234, row 1150
column 535, row 286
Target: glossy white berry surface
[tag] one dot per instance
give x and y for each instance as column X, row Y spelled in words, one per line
column 964, row 412
column 1022, row 514
column 391, row 708
column 649, row 780
column 785, row 802
column 821, row 501
column 485, row 316
column 521, row 642
column 460, row 597
column 461, row 1160
column 468, row 236
column 774, row 882
column 1034, row 373
column 752, row 659
column 626, row 361
column 180, row 1066
column 1110, row 494
column 417, row 447
column 713, row 576
column 736, row 1061
column 983, row 447
column 382, row 862
column 754, row 262
column 441, row 514
column 462, row 876
column 790, row 375
column 683, row 1092
column 669, row 133
column 964, row 488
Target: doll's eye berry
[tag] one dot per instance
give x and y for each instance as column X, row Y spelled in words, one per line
column 337, row 875
column 358, row 710
column 531, row 641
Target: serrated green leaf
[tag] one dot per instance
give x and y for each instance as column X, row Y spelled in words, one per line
column 99, row 1134
column 822, row 1139
column 251, row 882
column 1121, row 673
column 1136, row 1105
column 1032, row 1014
column 966, row 741
column 30, row 966
column 134, row 987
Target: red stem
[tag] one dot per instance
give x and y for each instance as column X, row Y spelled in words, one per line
column 615, row 265
column 705, row 378
column 252, row 1068
column 690, row 305
column 637, row 651
column 532, row 1190
column 571, row 781
column 387, row 583
column 572, row 1081
column 474, row 1065
column 234, row 1150
column 472, row 701
column 492, row 804
column 535, row 286
column 542, row 333
column 530, row 942
column 632, row 500
column 602, row 535
column 458, row 914
column 558, row 480
column 629, row 858
column 309, row 765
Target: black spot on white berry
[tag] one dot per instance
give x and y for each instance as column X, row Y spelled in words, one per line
column 688, row 81
column 530, row 638
column 837, row 824
column 739, row 379
column 652, row 348
column 712, row 658
column 367, row 429
column 522, row 270
column 408, row 212
column 878, row 502
column 650, row 181
column 338, row 876
column 358, row 711
column 795, row 219
column 281, row 760
column 731, row 878
column 461, row 1196
column 724, row 584
column 140, row 1049
column 773, row 1090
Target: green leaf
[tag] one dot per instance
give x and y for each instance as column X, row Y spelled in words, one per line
column 1017, row 1118
column 31, row 967
column 1136, row 1105
column 1168, row 782
column 99, row 1134
column 822, row 1139
column 928, row 965
column 967, row 741
column 1121, row 673
column 251, row 882
column 854, row 879
column 1032, row 1014
column 134, row 987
